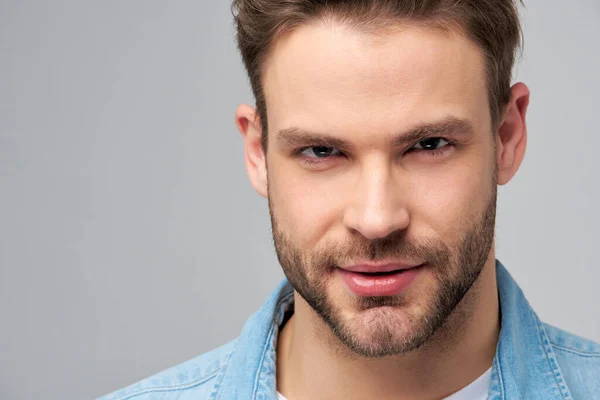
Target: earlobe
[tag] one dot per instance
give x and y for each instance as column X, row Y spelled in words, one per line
column 249, row 125
column 512, row 134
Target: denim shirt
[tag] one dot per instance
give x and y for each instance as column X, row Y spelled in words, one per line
column 533, row 360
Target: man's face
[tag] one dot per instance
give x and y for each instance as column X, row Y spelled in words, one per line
column 380, row 156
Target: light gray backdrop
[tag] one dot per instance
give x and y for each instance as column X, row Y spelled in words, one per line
column 130, row 239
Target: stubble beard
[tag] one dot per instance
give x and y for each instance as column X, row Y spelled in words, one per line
column 388, row 325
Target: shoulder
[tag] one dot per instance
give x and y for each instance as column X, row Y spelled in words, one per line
column 578, row 359
column 572, row 346
column 195, row 379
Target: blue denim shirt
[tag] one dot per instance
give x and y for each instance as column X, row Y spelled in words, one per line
column 533, row 360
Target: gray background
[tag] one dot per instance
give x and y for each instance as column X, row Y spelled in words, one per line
column 130, row 239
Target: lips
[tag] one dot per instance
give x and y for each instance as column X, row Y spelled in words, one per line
column 390, row 279
column 372, row 268
column 381, row 273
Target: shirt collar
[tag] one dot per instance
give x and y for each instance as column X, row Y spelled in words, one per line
column 250, row 371
column 525, row 366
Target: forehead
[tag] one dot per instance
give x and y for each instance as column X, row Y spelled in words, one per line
column 328, row 76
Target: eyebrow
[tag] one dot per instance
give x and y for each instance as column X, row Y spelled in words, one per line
column 449, row 126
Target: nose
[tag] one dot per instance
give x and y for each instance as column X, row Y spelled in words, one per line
column 376, row 208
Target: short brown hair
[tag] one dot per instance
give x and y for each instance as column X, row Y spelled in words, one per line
column 492, row 24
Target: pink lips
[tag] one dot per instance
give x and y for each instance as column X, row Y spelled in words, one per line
column 389, row 279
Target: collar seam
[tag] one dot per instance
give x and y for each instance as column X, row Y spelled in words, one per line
column 574, row 351
column 170, row 388
column 284, row 299
column 500, row 378
column 221, row 373
column 551, row 359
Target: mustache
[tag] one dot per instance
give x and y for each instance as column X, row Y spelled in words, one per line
column 396, row 246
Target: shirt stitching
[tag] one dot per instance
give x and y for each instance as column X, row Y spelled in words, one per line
column 500, row 378
column 262, row 358
column 170, row 388
column 268, row 341
column 552, row 363
column 223, row 369
column 576, row 352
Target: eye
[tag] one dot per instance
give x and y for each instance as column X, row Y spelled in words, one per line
column 319, row 152
column 431, row 144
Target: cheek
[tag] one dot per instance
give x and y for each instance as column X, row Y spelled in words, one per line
column 447, row 201
column 307, row 205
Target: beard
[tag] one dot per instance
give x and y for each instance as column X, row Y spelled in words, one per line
column 389, row 325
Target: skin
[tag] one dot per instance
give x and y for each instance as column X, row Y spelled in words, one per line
column 373, row 189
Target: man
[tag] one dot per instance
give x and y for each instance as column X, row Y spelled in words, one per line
column 381, row 131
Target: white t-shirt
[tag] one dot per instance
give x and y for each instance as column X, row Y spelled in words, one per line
column 477, row 390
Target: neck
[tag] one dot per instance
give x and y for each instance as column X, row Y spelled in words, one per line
column 312, row 364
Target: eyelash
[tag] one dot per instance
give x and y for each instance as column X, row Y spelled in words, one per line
column 428, row 153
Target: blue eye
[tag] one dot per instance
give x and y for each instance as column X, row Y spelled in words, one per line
column 431, row 144
column 320, row 152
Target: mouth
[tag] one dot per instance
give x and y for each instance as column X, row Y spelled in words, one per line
column 382, row 267
column 383, row 273
column 389, row 282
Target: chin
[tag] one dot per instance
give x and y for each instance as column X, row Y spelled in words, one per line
column 379, row 331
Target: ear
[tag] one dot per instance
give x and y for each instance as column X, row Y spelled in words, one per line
column 249, row 125
column 511, row 140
